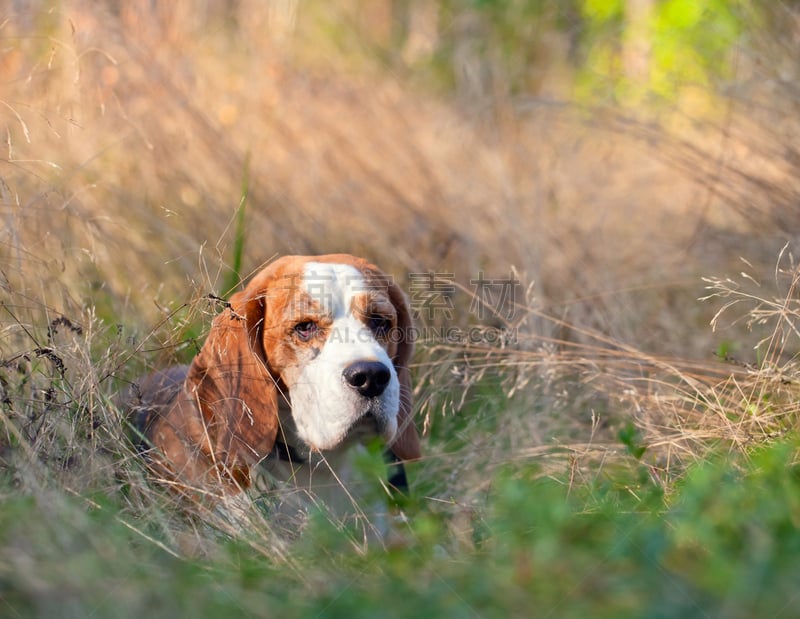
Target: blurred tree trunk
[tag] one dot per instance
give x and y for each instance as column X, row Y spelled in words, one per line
column 637, row 43
column 415, row 25
column 401, row 18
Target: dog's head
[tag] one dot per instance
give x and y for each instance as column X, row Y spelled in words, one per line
column 331, row 336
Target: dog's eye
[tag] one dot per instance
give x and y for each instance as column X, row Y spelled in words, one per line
column 306, row 330
column 379, row 325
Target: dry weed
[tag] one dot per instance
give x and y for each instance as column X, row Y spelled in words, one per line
column 127, row 134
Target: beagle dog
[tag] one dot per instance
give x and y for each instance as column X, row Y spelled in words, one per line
column 308, row 360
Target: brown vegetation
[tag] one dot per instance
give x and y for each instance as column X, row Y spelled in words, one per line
column 128, row 134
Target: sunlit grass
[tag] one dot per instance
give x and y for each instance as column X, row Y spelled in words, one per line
column 611, row 453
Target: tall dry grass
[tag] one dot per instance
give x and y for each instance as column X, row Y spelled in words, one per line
column 128, row 131
column 128, row 134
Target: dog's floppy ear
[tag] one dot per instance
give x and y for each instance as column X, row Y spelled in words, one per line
column 232, row 385
column 406, row 443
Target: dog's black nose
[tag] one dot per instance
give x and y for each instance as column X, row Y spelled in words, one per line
column 369, row 378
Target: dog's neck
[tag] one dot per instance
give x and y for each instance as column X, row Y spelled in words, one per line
column 293, row 461
column 296, row 479
column 297, row 476
column 289, row 447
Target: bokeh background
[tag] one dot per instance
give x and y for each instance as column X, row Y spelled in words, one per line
column 611, row 152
